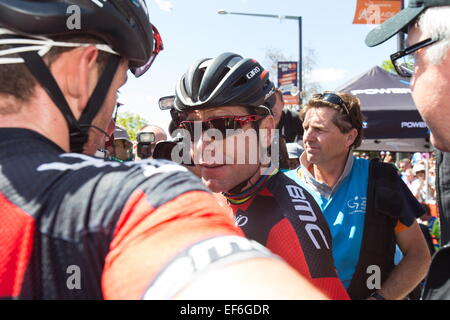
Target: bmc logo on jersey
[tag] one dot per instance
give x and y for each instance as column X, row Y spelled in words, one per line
column 307, row 215
column 253, row 73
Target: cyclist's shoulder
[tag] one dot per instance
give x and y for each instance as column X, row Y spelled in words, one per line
column 284, row 180
column 285, row 187
column 76, row 182
column 106, row 176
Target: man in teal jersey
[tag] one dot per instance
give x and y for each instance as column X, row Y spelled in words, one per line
column 364, row 231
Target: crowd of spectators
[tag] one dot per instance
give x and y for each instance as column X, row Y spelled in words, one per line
column 418, row 171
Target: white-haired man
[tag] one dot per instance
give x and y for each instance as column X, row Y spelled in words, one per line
column 427, row 61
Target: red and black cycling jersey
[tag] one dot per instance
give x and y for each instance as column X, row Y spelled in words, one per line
column 116, row 224
column 284, row 217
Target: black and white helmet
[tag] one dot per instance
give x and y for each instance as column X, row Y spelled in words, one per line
column 122, row 24
column 29, row 28
column 227, row 80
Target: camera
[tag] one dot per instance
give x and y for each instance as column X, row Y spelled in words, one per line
column 167, row 103
column 181, row 155
column 163, row 150
column 144, row 145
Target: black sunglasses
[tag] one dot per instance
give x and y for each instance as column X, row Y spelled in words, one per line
column 404, row 62
column 222, row 124
column 332, row 98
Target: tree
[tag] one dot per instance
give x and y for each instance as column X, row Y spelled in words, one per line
column 273, row 56
column 388, row 66
column 309, row 62
column 131, row 122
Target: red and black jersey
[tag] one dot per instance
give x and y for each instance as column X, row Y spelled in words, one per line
column 284, row 217
column 116, row 224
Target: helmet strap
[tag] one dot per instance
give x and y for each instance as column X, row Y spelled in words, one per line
column 95, row 103
column 240, row 187
column 42, row 74
column 78, row 130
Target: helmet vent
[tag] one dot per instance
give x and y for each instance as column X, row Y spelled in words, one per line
column 240, row 82
column 223, row 74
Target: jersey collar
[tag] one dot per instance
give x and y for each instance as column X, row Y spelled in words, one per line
column 246, row 195
column 325, row 191
column 14, row 135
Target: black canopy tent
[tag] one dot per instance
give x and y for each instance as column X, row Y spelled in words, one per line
column 392, row 120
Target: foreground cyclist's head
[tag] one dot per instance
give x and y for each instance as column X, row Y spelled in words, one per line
column 224, row 104
column 76, row 51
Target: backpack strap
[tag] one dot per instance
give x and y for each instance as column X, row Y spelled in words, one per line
column 378, row 241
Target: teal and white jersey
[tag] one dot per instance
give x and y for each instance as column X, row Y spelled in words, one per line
column 344, row 210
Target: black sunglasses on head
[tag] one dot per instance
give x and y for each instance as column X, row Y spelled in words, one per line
column 332, row 98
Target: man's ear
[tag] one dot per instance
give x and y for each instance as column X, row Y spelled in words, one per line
column 81, row 74
column 267, row 124
column 277, row 109
column 351, row 137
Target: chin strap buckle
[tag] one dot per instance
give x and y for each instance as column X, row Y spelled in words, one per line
column 77, row 140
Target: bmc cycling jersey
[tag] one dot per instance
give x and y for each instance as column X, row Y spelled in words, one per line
column 284, row 217
column 76, row 227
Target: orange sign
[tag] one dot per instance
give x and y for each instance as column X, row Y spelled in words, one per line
column 375, row 11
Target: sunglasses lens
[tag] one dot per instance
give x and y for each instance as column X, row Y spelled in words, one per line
column 222, row 125
column 141, row 70
column 405, row 65
column 334, row 99
column 157, row 47
column 212, row 126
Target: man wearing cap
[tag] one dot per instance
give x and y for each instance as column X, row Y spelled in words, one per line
column 294, row 151
column 427, row 60
column 122, row 147
column 419, row 185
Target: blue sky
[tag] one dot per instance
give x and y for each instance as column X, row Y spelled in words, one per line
column 192, row 29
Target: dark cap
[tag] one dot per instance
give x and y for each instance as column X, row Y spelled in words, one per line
column 401, row 20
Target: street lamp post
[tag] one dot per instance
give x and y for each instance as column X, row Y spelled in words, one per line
column 401, row 35
column 299, row 19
